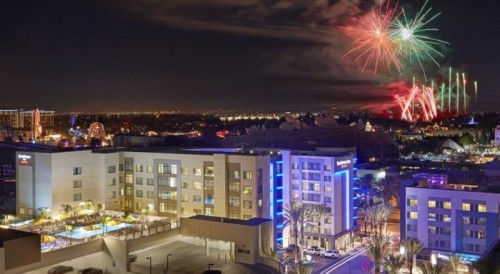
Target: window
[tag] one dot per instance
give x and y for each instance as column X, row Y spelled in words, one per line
column 305, row 186
column 431, row 203
column 209, row 211
column 446, row 218
column 295, row 176
column 432, row 216
column 111, row 194
column 234, row 201
column 111, row 181
column 150, row 169
column 77, row 197
column 444, row 231
column 167, row 169
column 447, row 205
column 139, row 206
column 150, row 181
column 168, row 182
column 413, row 215
column 197, row 200
column 328, row 178
column 129, row 179
column 247, row 204
column 196, row 211
column 111, row 169
column 411, row 227
column 432, row 230
column 328, row 189
column 184, row 198
column 328, row 167
column 235, row 174
column 139, row 168
column 184, row 171
column 234, row 187
column 138, row 180
column 77, row 170
column 247, row 175
column 197, row 171
column 247, row 189
column 234, row 214
column 196, row 185
column 481, row 221
column 150, row 195
column 247, row 216
column 328, row 200
column 465, row 206
column 185, row 185
column 167, row 195
column 481, row 208
column 209, row 185
column 480, row 234
column 295, row 166
column 412, row 202
column 209, row 171
column 466, row 219
column 138, row 193
column 77, row 183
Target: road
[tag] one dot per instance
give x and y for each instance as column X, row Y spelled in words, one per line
column 354, row 263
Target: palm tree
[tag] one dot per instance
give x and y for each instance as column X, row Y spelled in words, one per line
column 291, row 214
column 67, row 209
column 394, row 263
column 412, row 246
column 428, row 268
column 300, row 268
column 377, row 251
column 456, row 262
column 321, row 212
column 378, row 216
column 305, row 213
column 366, row 184
column 389, row 188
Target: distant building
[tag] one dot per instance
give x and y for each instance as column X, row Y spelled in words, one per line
column 456, row 218
column 24, row 119
column 497, row 135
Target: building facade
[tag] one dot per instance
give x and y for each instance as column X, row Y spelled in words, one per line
column 455, row 218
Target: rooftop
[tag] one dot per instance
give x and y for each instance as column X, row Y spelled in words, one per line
column 250, row 222
column 11, row 234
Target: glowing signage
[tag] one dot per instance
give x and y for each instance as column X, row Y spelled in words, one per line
column 343, row 163
column 24, row 159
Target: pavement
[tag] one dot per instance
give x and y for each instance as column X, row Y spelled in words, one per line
column 193, row 260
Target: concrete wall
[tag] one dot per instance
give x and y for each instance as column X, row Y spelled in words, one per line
column 158, row 238
column 22, row 251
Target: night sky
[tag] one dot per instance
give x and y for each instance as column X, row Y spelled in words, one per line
column 190, row 55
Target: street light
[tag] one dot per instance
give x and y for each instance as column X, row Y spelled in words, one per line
column 168, row 255
column 149, row 258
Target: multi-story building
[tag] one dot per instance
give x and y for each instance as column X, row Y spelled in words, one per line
column 238, row 184
column 451, row 218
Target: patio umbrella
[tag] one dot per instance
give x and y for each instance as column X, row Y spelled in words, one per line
column 113, row 223
column 129, row 219
column 47, row 239
column 92, row 227
column 39, row 221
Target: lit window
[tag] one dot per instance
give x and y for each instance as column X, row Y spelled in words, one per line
column 328, row 189
column 197, row 171
column 413, row 215
column 196, row 185
column 481, row 208
column 111, row 181
column 111, row 194
column 412, row 202
column 247, row 175
column 465, row 206
column 139, row 168
column 317, row 187
column 247, row 189
column 150, row 169
column 432, row 203
column 446, row 218
column 247, row 216
column 184, row 171
column 247, row 204
column 447, row 205
column 184, row 198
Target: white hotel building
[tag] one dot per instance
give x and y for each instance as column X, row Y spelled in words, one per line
column 217, row 182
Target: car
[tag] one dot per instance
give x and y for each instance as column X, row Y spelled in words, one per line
column 90, row 270
column 292, row 247
column 330, row 254
column 313, row 251
column 60, row 269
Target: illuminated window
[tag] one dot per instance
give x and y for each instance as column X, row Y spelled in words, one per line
column 431, row 203
column 111, row 194
column 184, row 198
column 247, row 175
column 129, row 179
column 234, row 201
column 481, row 208
column 184, row 171
column 197, row 171
column 465, row 206
column 413, row 215
column 139, row 168
column 111, row 181
column 247, row 204
column 446, row 218
column 247, row 189
column 328, row 189
column 328, row 167
column 247, row 216
column 317, row 187
column 209, row 171
column 209, row 211
column 150, row 169
column 412, row 202
column 432, row 230
column 481, row 234
column 432, row 217
column 197, row 199
column 447, row 205
column 77, row 183
column 196, row 185
column 196, row 211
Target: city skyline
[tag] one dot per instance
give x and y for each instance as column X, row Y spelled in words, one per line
column 194, row 56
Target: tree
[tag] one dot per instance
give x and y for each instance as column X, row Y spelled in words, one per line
column 394, row 263
column 305, row 213
column 301, row 268
column 412, row 246
column 456, row 262
column 321, row 212
column 67, row 210
column 389, row 188
column 366, row 184
column 291, row 213
column 428, row 268
column 377, row 251
column 378, row 216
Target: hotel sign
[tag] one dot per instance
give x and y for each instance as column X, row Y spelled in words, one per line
column 24, row 159
column 343, row 163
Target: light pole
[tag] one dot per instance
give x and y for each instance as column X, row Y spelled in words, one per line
column 150, row 265
column 168, row 255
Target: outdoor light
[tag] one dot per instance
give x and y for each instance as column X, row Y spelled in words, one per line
column 402, row 250
column 308, row 258
column 433, row 259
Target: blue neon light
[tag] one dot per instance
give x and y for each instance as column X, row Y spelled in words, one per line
column 354, row 168
column 280, row 187
column 348, row 198
column 279, row 239
column 271, row 186
column 279, row 162
column 279, row 213
column 279, row 226
column 279, row 175
column 279, row 201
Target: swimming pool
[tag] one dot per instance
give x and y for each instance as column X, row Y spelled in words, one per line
column 81, row 232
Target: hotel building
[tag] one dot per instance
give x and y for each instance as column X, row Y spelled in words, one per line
column 238, row 184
